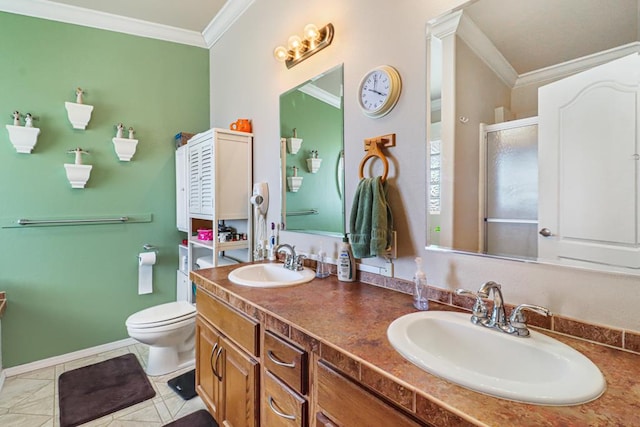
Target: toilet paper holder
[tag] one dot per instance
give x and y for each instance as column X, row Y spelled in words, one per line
column 149, row 248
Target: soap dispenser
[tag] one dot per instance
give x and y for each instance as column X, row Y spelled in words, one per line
column 346, row 262
column 420, row 300
column 322, row 269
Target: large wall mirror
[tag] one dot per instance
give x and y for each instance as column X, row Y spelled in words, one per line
column 533, row 132
column 312, row 155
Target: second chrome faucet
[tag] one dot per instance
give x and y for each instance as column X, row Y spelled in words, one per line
column 292, row 261
column 514, row 324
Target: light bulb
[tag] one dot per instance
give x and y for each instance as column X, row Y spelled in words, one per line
column 295, row 43
column 311, row 32
column 281, row 53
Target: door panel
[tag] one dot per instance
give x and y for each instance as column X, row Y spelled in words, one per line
column 588, row 151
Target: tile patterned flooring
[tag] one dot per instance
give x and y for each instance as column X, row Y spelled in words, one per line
column 31, row 399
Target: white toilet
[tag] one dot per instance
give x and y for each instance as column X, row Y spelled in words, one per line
column 169, row 331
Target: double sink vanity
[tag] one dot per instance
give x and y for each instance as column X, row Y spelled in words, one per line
column 320, row 352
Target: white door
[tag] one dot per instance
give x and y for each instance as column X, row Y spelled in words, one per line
column 588, row 153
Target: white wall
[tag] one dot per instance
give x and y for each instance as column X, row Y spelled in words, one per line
column 246, row 81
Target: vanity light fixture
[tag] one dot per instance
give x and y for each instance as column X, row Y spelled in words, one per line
column 298, row 49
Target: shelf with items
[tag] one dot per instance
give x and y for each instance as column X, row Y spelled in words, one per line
column 219, row 183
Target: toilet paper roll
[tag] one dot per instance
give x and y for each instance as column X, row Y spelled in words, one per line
column 146, row 260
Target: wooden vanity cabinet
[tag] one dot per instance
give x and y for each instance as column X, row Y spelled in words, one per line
column 227, row 375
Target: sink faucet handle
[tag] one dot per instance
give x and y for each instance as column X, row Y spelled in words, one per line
column 517, row 319
column 299, row 262
column 480, row 311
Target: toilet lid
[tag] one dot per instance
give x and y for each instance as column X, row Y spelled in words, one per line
column 162, row 314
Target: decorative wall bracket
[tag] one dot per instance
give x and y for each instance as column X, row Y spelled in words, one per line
column 313, row 164
column 294, row 183
column 79, row 114
column 23, row 138
column 293, row 145
column 78, row 174
column 125, row 148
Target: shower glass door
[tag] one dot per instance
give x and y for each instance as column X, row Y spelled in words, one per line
column 511, row 189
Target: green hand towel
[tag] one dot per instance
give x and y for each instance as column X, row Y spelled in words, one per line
column 371, row 221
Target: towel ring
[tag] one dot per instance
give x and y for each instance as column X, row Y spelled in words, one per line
column 374, row 151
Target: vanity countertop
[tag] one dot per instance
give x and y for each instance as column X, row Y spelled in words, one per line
column 348, row 323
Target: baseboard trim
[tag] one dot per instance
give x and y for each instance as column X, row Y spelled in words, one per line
column 63, row 358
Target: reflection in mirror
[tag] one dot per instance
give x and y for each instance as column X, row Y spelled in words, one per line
column 312, row 155
column 521, row 177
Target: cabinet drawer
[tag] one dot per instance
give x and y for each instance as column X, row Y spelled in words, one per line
column 286, row 361
column 235, row 325
column 282, row 407
column 347, row 404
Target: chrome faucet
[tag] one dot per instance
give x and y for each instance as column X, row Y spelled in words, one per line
column 292, row 261
column 514, row 325
column 498, row 317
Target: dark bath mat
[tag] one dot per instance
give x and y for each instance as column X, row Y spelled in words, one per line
column 100, row 389
column 199, row 418
column 184, row 385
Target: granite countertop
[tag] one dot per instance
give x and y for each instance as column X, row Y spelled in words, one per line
column 350, row 320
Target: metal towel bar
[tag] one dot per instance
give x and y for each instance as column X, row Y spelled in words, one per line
column 72, row 221
column 307, row 212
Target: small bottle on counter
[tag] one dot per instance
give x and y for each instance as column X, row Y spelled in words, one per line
column 420, row 300
column 322, row 269
column 346, row 262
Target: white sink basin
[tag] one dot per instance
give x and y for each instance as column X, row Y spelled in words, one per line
column 537, row 369
column 269, row 276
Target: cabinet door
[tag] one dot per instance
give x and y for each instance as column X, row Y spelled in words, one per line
column 232, row 176
column 240, row 388
column 181, row 189
column 208, row 353
column 194, row 178
column 201, row 178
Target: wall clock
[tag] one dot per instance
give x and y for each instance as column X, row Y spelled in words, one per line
column 379, row 91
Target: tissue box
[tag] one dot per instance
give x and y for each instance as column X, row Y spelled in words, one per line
column 181, row 138
column 205, row 234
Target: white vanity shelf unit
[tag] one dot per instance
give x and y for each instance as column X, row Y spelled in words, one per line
column 213, row 185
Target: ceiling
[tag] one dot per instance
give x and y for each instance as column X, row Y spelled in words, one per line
column 532, row 35
column 192, row 15
column 529, row 34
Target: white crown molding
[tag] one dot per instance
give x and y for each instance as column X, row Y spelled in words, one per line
column 480, row 44
column 105, row 21
column 229, row 13
column 564, row 69
column 444, row 26
column 321, row 94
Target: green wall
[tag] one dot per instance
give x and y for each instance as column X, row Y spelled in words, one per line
column 72, row 287
column 320, row 126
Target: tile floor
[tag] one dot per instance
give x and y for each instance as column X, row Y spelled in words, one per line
column 31, row 399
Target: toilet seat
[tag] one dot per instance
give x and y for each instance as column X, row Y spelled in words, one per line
column 167, row 314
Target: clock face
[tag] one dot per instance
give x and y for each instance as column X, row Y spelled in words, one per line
column 375, row 90
column 379, row 91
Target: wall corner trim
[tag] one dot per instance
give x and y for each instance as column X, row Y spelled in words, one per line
column 229, row 13
column 101, row 20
